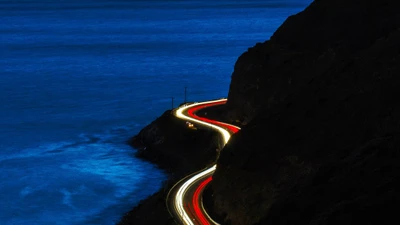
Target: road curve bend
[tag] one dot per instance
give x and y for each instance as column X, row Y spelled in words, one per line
column 184, row 200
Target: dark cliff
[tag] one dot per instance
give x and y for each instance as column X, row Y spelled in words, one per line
column 321, row 114
column 326, row 35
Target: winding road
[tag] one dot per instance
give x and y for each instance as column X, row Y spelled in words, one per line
column 184, row 200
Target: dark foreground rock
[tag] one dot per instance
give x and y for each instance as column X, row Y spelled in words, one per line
column 171, row 145
column 320, row 105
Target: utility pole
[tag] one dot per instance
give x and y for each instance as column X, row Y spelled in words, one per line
column 172, row 103
column 185, row 95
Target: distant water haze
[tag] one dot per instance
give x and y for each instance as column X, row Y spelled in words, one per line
column 78, row 78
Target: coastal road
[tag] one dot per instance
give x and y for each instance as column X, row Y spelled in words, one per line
column 184, row 200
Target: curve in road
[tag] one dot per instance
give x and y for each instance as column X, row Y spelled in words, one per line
column 184, row 199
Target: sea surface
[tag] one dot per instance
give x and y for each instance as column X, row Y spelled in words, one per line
column 78, row 78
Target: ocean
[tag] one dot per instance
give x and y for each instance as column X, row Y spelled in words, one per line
column 78, row 78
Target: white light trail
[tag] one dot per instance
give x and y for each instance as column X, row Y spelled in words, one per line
column 179, row 114
column 182, row 190
column 208, row 172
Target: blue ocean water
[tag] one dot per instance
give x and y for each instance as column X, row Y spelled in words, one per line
column 78, row 78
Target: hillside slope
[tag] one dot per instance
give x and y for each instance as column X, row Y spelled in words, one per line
column 321, row 114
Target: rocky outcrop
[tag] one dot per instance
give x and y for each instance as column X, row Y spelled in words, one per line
column 319, row 103
column 171, row 145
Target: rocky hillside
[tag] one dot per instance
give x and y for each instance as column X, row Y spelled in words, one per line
column 320, row 107
column 327, row 35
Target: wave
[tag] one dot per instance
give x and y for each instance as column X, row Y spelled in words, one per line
column 74, row 181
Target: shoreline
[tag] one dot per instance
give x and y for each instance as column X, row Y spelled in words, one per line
column 178, row 151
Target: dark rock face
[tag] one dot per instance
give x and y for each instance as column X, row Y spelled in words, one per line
column 322, row 135
column 306, row 46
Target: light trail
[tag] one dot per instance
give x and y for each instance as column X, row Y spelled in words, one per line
column 196, row 198
column 209, row 123
column 182, row 190
column 225, row 130
column 192, row 114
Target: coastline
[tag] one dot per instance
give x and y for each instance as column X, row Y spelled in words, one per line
column 177, row 150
